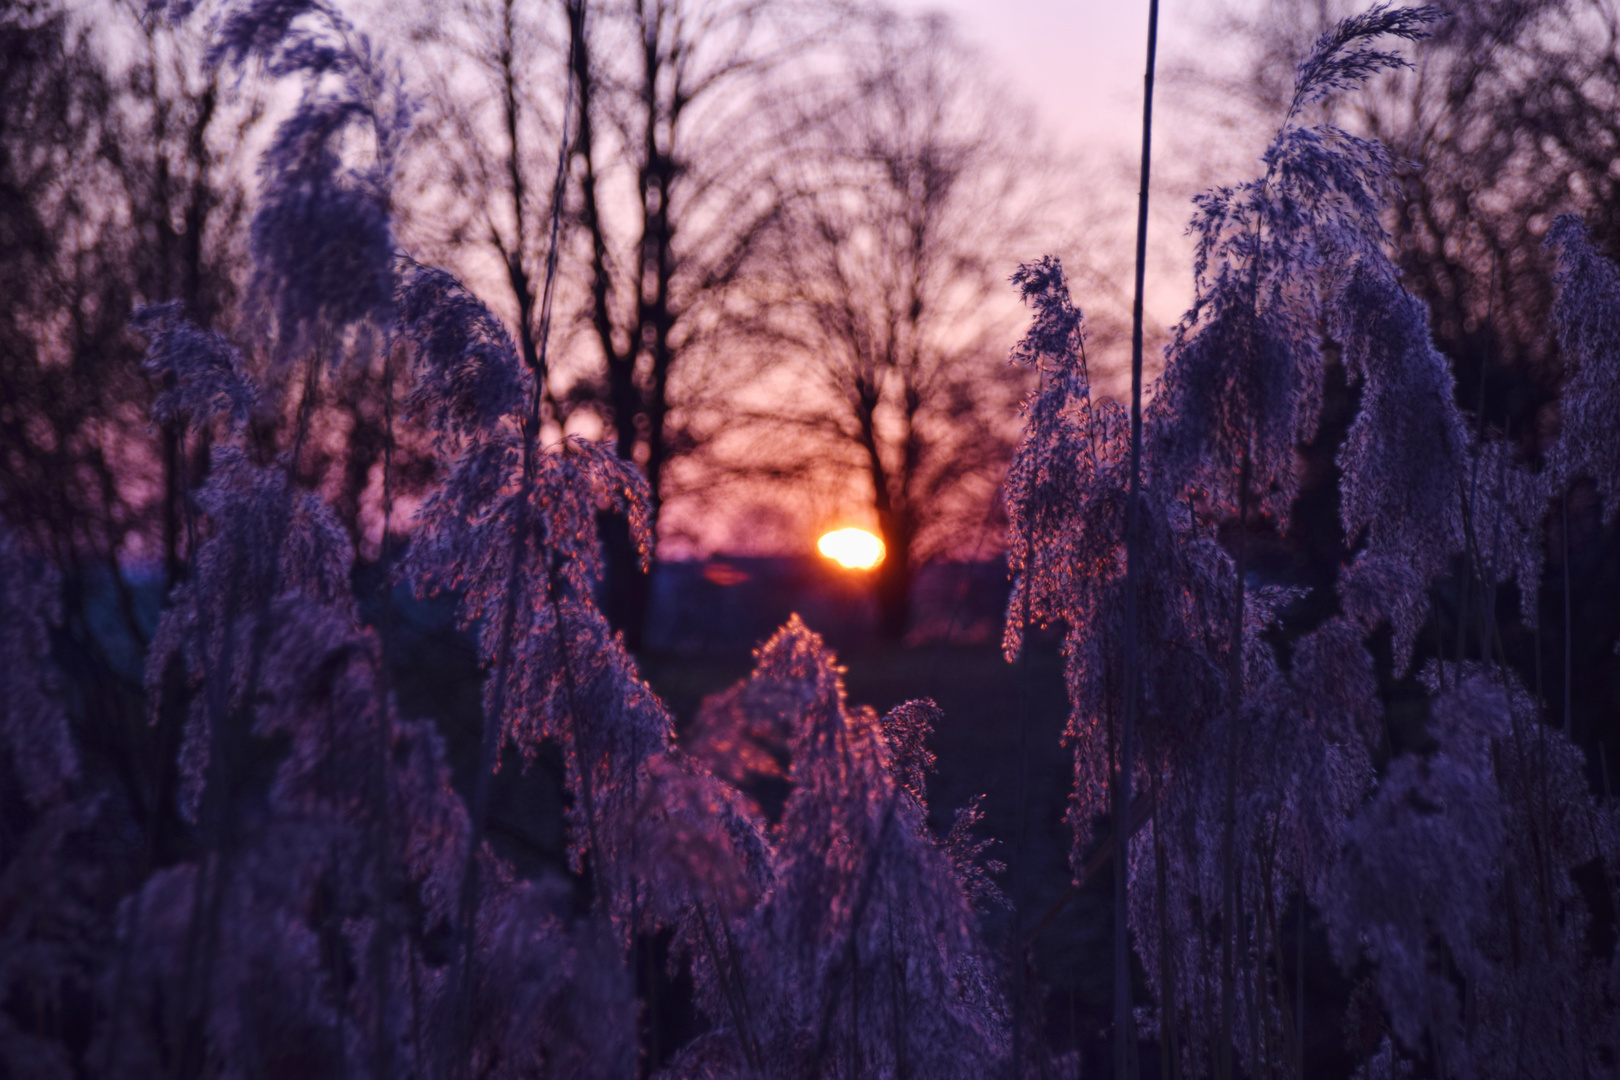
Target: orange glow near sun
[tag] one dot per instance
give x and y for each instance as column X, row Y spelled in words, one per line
column 854, row 549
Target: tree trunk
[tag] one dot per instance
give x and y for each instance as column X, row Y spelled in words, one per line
column 626, row 590
column 893, row 584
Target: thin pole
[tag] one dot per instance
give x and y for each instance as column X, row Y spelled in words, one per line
column 1123, row 1036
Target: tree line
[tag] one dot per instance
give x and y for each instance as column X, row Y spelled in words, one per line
column 778, row 229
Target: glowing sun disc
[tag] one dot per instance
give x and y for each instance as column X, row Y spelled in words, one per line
column 854, row 549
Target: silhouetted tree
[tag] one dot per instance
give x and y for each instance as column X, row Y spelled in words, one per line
column 670, row 164
column 116, row 197
column 877, row 290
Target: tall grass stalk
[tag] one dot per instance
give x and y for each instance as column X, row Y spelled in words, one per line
column 1123, row 1036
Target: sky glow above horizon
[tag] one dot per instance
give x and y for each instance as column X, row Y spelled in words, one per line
column 1079, row 62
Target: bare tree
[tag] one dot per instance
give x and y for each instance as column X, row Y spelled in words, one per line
column 171, row 175
column 882, row 292
column 485, row 148
column 670, row 191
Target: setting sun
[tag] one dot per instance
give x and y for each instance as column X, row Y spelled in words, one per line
column 855, row 549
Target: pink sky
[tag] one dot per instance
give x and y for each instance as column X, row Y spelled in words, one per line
column 1080, row 61
column 1079, row 64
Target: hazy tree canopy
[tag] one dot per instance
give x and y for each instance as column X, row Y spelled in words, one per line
column 115, row 195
